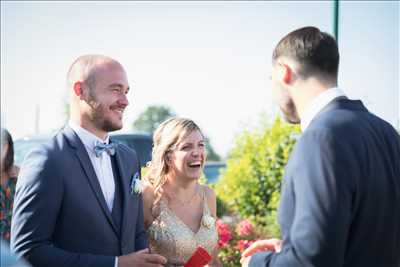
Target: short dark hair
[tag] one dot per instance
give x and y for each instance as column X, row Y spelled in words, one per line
column 317, row 52
column 9, row 157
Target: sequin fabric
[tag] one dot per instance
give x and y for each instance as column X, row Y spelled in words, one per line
column 170, row 237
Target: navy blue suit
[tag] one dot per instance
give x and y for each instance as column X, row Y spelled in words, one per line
column 340, row 201
column 60, row 214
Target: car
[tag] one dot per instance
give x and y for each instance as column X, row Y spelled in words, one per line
column 23, row 145
column 212, row 171
column 141, row 143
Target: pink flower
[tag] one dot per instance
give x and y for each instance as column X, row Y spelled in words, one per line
column 244, row 228
column 224, row 233
column 241, row 245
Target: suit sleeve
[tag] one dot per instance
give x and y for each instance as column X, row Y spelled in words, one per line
column 37, row 202
column 318, row 183
column 141, row 235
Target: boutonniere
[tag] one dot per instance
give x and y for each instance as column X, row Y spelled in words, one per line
column 208, row 221
column 136, row 186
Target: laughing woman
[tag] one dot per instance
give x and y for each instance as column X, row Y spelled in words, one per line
column 179, row 212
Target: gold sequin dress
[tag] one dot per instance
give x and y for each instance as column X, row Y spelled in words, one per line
column 173, row 239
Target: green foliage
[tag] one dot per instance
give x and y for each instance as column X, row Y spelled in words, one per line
column 153, row 116
column 149, row 119
column 222, row 208
column 211, row 154
column 251, row 184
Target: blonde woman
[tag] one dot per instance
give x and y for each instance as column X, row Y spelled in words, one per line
column 179, row 212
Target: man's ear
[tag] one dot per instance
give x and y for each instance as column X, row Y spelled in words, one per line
column 78, row 88
column 286, row 73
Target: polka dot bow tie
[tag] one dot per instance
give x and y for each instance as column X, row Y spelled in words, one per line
column 101, row 147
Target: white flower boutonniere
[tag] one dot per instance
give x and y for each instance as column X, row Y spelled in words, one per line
column 136, row 184
column 208, row 221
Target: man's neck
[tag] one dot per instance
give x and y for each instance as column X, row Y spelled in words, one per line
column 304, row 94
column 88, row 126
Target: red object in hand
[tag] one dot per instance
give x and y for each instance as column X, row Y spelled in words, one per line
column 199, row 258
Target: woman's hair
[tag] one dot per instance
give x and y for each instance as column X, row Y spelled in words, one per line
column 8, row 162
column 165, row 139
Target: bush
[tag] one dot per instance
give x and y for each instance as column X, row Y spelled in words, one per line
column 251, row 183
column 234, row 238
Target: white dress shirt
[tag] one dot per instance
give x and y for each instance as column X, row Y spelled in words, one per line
column 102, row 165
column 317, row 104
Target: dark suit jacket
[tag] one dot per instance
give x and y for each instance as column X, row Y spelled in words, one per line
column 340, row 201
column 60, row 215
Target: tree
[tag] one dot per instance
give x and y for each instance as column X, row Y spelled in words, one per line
column 149, row 119
column 211, row 154
column 251, row 183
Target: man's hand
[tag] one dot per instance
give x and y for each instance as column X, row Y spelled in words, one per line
column 141, row 258
column 274, row 245
column 245, row 261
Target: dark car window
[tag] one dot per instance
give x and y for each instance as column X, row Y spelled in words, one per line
column 22, row 148
column 142, row 144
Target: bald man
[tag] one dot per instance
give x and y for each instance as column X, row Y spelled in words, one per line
column 74, row 205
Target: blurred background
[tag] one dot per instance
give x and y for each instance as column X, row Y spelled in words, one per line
column 209, row 61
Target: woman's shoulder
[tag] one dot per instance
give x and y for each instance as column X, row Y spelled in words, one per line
column 148, row 191
column 211, row 199
column 151, row 208
column 208, row 191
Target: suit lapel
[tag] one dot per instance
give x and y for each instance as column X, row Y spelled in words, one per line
column 87, row 167
column 124, row 182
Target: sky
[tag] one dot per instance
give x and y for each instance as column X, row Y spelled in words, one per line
column 208, row 61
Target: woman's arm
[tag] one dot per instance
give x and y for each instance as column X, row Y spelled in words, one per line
column 148, row 200
column 212, row 204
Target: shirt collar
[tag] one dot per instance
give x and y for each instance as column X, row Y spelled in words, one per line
column 87, row 138
column 317, row 104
